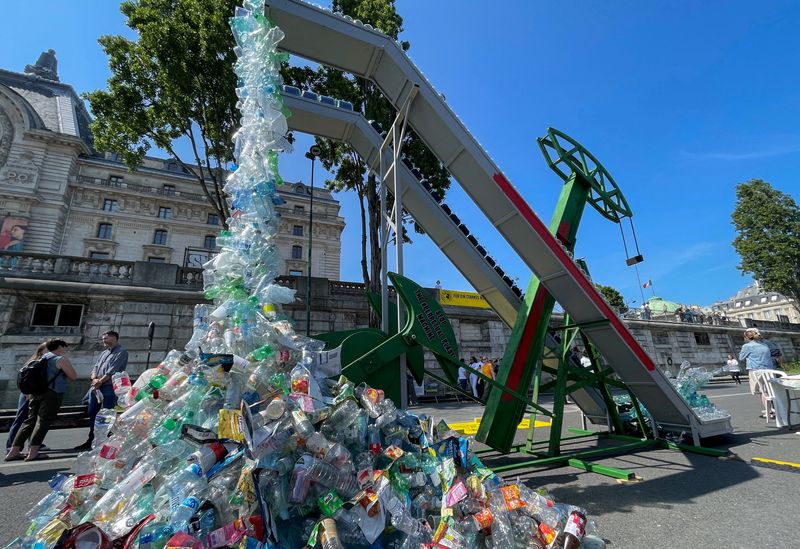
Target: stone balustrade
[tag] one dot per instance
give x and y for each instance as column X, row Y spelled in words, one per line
column 102, row 271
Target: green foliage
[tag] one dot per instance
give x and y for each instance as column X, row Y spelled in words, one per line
column 350, row 171
column 613, row 297
column 176, row 81
column 767, row 223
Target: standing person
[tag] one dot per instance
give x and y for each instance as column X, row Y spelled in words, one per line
column 487, row 369
column 473, row 379
column 411, row 390
column 732, row 366
column 645, row 312
column 757, row 355
column 43, row 407
column 111, row 361
column 463, row 379
column 22, row 402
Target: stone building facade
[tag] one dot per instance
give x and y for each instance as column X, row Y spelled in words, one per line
column 59, row 196
column 755, row 303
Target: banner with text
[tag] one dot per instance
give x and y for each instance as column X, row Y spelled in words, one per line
column 462, row 299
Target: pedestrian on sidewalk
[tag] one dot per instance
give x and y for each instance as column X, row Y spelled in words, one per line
column 22, row 402
column 43, row 407
column 732, row 366
column 487, row 369
column 463, row 380
column 112, row 360
column 475, row 366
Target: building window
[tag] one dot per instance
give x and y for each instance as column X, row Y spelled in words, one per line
column 160, row 237
column 116, row 180
column 213, row 219
column 299, row 209
column 169, row 190
column 297, row 230
column 773, row 298
column 210, row 242
column 297, row 252
column 747, row 303
column 661, row 338
column 701, row 338
column 110, row 205
column 763, row 299
column 164, row 212
column 104, row 231
column 153, row 259
column 99, row 255
column 738, row 304
column 56, row 314
column 295, row 272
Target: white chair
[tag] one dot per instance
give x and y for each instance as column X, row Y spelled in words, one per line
column 766, row 389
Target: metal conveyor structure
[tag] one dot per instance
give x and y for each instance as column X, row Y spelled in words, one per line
column 327, row 117
column 336, row 41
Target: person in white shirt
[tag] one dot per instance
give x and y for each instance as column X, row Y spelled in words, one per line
column 586, row 362
column 475, row 365
column 463, row 379
column 732, row 367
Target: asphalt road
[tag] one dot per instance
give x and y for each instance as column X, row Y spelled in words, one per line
column 682, row 500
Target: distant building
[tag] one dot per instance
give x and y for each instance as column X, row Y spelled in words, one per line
column 60, row 196
column 754, row 303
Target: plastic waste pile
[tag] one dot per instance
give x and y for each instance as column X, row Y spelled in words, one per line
column 251, row 438
column 688, row 381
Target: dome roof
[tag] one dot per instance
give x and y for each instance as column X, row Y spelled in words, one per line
column 658, row 305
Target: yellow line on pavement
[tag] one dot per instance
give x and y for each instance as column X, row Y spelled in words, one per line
column 777, row 462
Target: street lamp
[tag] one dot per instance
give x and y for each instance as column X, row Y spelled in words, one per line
column 312, row 155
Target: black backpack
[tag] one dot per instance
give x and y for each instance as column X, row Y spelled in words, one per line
column 32, row 379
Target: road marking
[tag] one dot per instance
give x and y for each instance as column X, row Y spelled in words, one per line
column 732, row 395
column 10, row 464
column 776, row 464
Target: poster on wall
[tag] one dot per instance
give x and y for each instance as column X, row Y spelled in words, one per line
column 12, row 233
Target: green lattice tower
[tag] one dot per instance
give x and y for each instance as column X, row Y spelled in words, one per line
column 586, row 181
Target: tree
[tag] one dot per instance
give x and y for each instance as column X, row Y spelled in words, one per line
column 176, row 82
column 767, row 223
column 613, row 297
column 350, row 170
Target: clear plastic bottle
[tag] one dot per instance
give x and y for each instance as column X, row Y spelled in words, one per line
column 180, row 517
column 103, row 423
column 329, row 535
column 329, row 476
column 188, row 481
column 121, row 384
column 502, row 534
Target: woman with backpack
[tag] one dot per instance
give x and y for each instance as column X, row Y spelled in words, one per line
column 43, row 405
column 22, row 403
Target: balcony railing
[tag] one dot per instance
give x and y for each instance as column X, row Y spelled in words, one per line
column 144, row 189
column 103, row 271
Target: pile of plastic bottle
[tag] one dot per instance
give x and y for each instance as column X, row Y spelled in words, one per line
column 251, row 438
column 688, row 382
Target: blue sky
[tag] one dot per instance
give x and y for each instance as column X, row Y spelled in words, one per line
column 680, row 101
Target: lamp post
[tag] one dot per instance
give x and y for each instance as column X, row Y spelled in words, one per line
column 312, row 155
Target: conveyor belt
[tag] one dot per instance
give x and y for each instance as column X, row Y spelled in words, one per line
column 330, row 39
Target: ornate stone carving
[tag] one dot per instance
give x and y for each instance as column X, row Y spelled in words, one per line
column 6, row 137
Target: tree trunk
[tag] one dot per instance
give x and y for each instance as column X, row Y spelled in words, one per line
column 374, row 211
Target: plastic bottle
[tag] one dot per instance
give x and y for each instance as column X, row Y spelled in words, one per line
column 103, row 423
column 188, row 481
column 329, row 535
column 179, row 519
column 302, row 425
column 574, row 529
column 343, row 414
column 502, row 535
column 208, row 455
column 121, row 384
column 329, row 476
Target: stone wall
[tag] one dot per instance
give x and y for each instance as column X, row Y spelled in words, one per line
column 151, row 293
